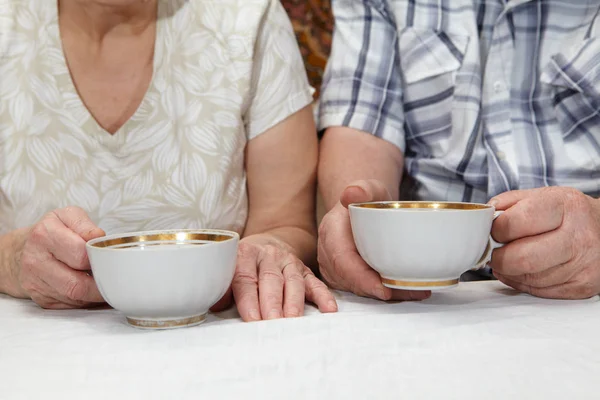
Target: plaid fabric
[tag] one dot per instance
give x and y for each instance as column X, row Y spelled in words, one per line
column 482, row 96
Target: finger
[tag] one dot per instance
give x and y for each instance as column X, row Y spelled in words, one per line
column 341, row 264
column 64, row 244
column 245, row 283
column 410, row 295
column 70, row 284
column 77, row 220
column 551, row 277
column 270, row 283
column 293, row 287
column 365, row 191
column 50, row 302
column 505, row 200
column 317, row 293
column 224, row 303
column 571, row 290
column 529, row 217
column 360, row 278
column 534, row 254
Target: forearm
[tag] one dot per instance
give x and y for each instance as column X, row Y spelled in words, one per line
column 348, row 155
column 9, row 245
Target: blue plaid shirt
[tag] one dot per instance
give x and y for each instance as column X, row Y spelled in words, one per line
column 480, row 96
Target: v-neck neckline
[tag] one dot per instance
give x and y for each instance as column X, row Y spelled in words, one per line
column 102, row 135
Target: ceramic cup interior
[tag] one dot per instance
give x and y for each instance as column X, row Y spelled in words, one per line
column 164, row 279
column 420, row 245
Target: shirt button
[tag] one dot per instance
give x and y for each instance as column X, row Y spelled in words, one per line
column 498, row 86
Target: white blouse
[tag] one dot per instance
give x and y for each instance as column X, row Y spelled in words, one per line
column 225, row 71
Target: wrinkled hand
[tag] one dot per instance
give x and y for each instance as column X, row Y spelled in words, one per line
column 270, row 282
column 553, row 242
column 340, row 264
column 50, row 262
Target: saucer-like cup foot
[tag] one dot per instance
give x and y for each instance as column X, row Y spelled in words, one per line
column 419, row 285
column 146, row 323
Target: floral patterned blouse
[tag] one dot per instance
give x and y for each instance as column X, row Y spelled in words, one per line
column 224, row 72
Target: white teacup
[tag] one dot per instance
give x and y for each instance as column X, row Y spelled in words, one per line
column 164, row 279
column 420, row 245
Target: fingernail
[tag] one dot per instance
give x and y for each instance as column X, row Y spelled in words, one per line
column 380, row 293
column 332, row 305
column 293, row 312
column 274, row 314
column 423, row 295
column 254, row 315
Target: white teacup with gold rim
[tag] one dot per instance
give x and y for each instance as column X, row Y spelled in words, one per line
column 423, row 245
column 164, row 279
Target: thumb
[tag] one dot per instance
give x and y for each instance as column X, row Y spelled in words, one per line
column 77, row 220
column 508, row 199
column 364, row 191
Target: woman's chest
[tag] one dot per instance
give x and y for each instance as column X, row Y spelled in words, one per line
column 177, row 161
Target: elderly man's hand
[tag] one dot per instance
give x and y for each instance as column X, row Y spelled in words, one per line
column 50, row 261
column 340, row 263
column 270, row 282
column 553, row 242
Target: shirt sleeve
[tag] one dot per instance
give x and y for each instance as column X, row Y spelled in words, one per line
column 362, row 86
column 279, row 85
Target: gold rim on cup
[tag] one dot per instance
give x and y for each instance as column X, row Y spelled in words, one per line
column 424, row 205
column 420, row 284
column 166, row 324
column 127, row 241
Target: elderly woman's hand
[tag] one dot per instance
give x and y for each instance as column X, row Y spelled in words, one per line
column 49, row 261
column 271, row 282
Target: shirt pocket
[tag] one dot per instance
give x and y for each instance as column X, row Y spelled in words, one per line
column 574, row 77
column 429, row 60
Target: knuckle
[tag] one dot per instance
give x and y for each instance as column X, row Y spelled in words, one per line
column 243, row 278
column 72, row 210
column 75, row 289
column 243, row 296
column 270, row 275
column 587, row 284
column 273, row 300
column 246, row 250
column 315, row 284
column 528, row 279
column 523, row 261
column 29, row 287
column 273, row 252
column 322, row 230
column 80, row 258
column 587, row 290
column 295, row 278
column 28, row 262
column 528, row 214
column 39, row 232
column 575, row 200
column 336, row 265
column 45, row 304
column 40, row 300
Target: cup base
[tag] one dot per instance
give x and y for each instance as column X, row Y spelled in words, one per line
column 419, row 284
column 154, row 324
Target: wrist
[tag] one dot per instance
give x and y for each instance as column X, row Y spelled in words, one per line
column 11, row 245
column 267, row 238
column 292, row 239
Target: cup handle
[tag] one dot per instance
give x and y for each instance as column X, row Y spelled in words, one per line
column 489, row 249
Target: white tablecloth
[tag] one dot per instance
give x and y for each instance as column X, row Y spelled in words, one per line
column 477, row 341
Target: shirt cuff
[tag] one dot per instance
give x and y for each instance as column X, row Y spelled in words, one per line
column 293, row 104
